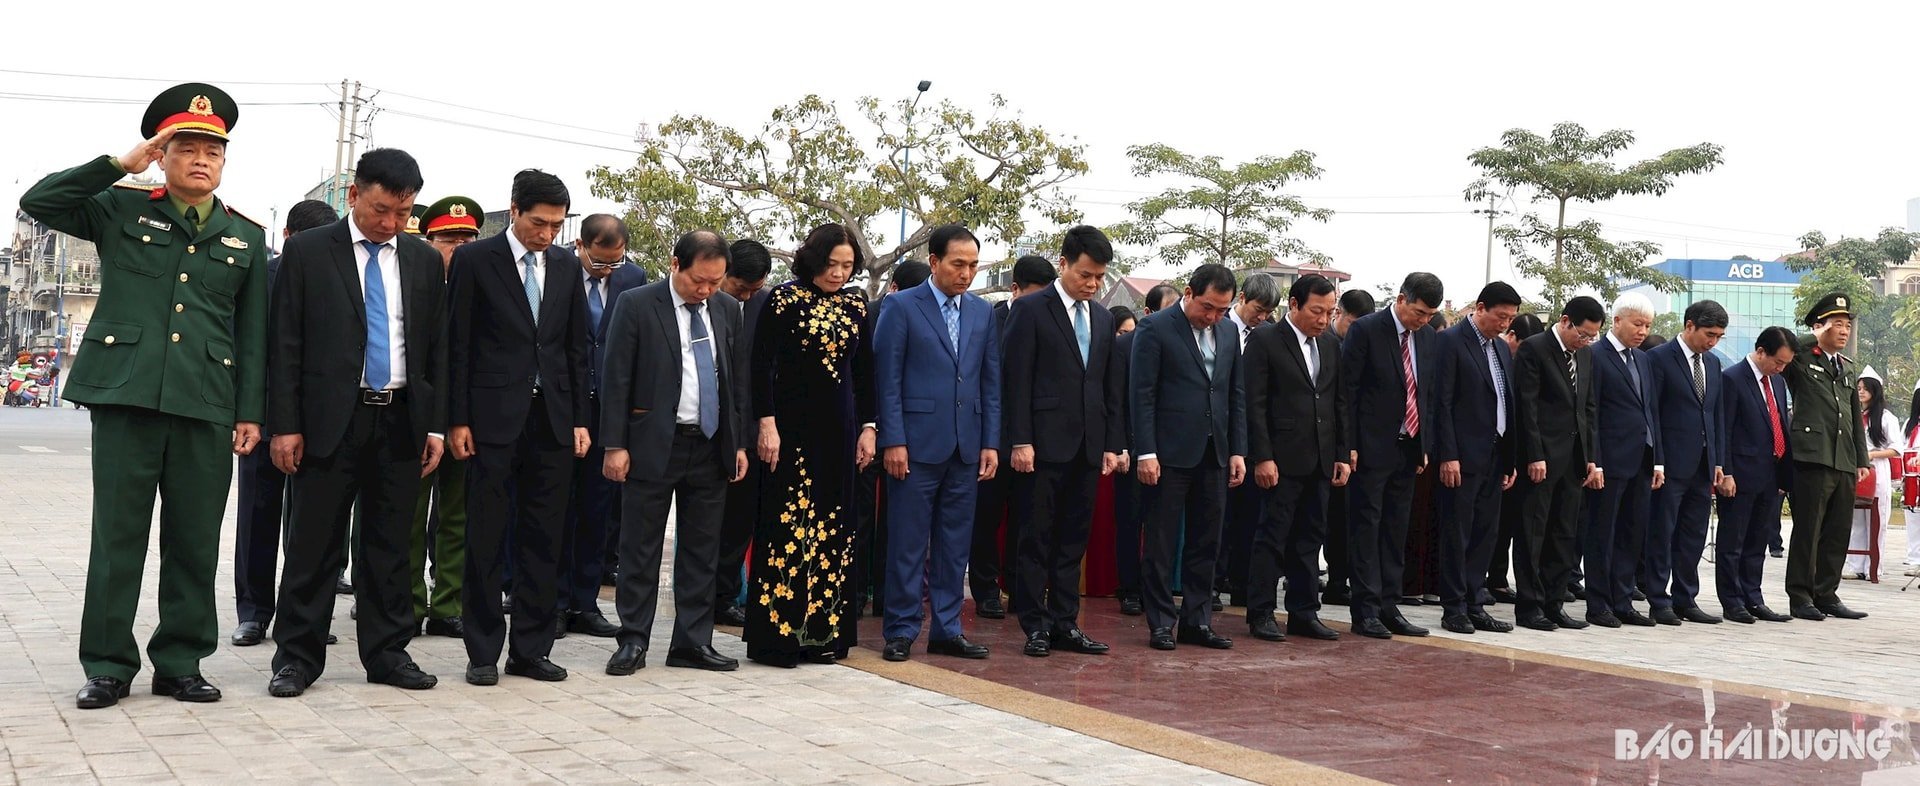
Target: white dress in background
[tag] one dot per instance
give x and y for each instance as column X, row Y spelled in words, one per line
column 1883, row 491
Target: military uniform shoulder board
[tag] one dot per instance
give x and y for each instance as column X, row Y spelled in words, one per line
column 144, row 188
column 241, row 216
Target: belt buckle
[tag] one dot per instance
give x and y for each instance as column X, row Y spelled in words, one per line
column 376, row 398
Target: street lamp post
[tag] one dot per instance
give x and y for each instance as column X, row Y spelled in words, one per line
column 906, row 158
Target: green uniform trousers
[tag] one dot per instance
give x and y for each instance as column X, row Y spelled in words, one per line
column 190, row 462
column 1822, row 522
column 443, row 503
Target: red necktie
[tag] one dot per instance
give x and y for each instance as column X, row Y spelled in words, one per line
column 1411, row 424
column 1773, row 418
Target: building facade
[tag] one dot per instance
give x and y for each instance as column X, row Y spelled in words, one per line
column 1756, row 294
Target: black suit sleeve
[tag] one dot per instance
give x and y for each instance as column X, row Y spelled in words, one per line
column 1115, row 440
column 1592, row 406
column 460, row 296
column 1017, row 370
column 1446, row 387
column 760, row 374
column 1256, row 357
column 284, row 362
column 576, row 338
column 1143, row 384
column 436, row 371
column 1342, row 445
column 1526, row 388
column 616, row 380
column 1118, row 412
column 1353, row 368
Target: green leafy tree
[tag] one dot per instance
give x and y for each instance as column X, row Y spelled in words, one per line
column 807, row 166
column 1239, row 216
column 1569, row 166
column 1869, row 258
column 1668, row 324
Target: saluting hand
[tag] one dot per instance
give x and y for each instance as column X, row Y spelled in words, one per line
column 145, row 153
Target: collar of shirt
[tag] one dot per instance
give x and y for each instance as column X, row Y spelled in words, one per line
column 182, row 205
column 1555, row 330
column 1756, row 373
column 1239, row 327
column 358, row 237
column 1298, row 336
column 678, row 301
column 1068, row 301
column 520, row 249
column 1615, row 341
column 1689, row 353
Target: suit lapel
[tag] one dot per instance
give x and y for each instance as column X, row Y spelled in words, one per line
column 349, row 269
column 508, row 269
column 1193, row 346
column 1065, row 323
column 669, row 327
column 929, row 304
column 554, row 298
column 1292, row 342
column 218, row 219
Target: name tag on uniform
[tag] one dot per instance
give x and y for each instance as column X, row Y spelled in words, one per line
column 160, row 225
column 233, row 242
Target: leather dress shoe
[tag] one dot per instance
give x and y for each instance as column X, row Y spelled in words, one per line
column 627, row 660
column 1075, row 640
column 1809, row 613
column 1504, row 595
column 957, row 647
column 1536, row 621
column 1561, row 618
column 1265, row 629
column 990, row 608
column 559, row 625
column 353, row 612
column 1697, row 614
column 1739, row 615
column 1579, row 592
column 593, row 623
column 488, row 674
column 1217, row 604
column 101, row 692
column 539, row 668
column 1310, row 627
column 287, row 683
column 1666, row 616
column 407, row 677
column 341, row 586
column 1336, row 596
column 705, row 658
column 1639, row 596
column 1762, row 612
column 333, row 639
column 191, row 687
column 1485, row 598
column 1398, row 625
column 610, row 579
column 1372, row 629
column 249, row 633
column 1635, row 618
column 1203, row 636
column 1457, row 623
column 1486, row 623
column 1160, row 638
column 1777, row 553
column 1130, row 606
column 730, row 615
column 1840, row 610
column 897, row 650
column 1039, row 645
column 450, row 627
column 1604, row 619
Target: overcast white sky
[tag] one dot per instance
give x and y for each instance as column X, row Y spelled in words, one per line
column 1813, row 104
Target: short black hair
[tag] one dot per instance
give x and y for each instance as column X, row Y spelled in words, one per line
column 1087, row 241
column 1160, row 295
column 1773, row 338
column 695, row 246
column 748, row 260
column 1526, row 326
column 1498, row 293
column 1357, row 302
column 1033, row 270
column 390, row 168
column 534, row 187
column 1122, row 314
column 1424, row 287
column 309, row 213
column 603, row 229
column 1438, row 321
column 910, row 273
column 1652, row 340
column 1212, row 277
column 1706, row 314
column 818, row 247
column 1308, row 286
column 1584, row 309
column 945, row 234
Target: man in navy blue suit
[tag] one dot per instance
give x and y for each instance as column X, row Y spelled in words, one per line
column 1753, row 408
column 1631, row 460
column 937, row 438
column 1190, row 427
column 1686, row 384
column 1388, row 362
column 1474, row 393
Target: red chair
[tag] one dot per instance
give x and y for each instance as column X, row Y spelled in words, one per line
column 1865, row 499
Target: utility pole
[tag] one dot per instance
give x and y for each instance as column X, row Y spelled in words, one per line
column 353, row 126
column 59, row 315
column 1491, row 214
column 339, row 144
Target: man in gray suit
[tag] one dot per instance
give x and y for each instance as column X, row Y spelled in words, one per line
column 670, row 423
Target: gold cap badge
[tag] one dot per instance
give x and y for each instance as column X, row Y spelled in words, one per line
column 200, row 106
column 460, row 211
column 1840, row 301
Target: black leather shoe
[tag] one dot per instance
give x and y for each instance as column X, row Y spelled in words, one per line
column 1130, row 606
column 1217, row 604
column 191, row 687
column 559, row 625
column 897, row 650
column 1038, row 645
column 1075, row 640
column 1777, row 553
column 730, row 615
column 1310, row 627
column 1504, row 595
column 1486, row 598
column 1840, row 610
column 1697, row 614
column 1336, row 596
column 1398, row 625
column 1633, row 617
column 989, row 609
column 1203, row 636
column 1372, row 629
column 1809, row 613
column 627, row 660
column 1457, row 623
column 1604, row 619
column 101, row 692
column 539, row 668
column 1561, row 618
column 1579, row 592
column 1265, row 629
column 610, row 579
column 450, row 627
column 248, row 634
column 1160, row 639
column 483, row 675
column 1639, row 596
column 957, row 647
column 1762, row 612
column 332, row 639
column 341, row 586
column 1486, row 623
column 407, row 677
column 1567, row 596
column 1739, row 615
column 704, row 658
column 593, row 623
column 1666, row 616
column 1536, row 621
column 287, row 683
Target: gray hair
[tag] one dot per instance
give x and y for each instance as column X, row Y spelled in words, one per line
column 1632, row 303
column 1260, row 288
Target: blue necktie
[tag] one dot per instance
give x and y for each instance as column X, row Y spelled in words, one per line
column 703, row 368
column 378, row 366
column 951, row 311
column 1204, row 338
column 532, row 283
column 595, row 305
column 1080, row 329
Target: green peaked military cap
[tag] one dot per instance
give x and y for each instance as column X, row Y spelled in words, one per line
column 452, row 214
column 191, row 108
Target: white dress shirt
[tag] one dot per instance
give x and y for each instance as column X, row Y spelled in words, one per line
column 1413, row 346
column 688, row 411
column 519, row 250
column 1307, row 350
column 1239, row 327
column 396, row 308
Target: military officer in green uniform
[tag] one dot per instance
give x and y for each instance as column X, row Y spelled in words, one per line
column 173, row 370
column 440, row 517
column 1829, row 458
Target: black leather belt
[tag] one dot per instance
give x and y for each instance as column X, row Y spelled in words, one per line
column 689, row 430
column 381, row 398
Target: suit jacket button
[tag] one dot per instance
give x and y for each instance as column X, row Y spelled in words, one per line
column 189, row 249
column 176, row 338
column 179, row 307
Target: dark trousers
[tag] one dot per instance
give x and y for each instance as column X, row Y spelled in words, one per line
column 1469, row 524
column 591, row 512
column 516, row 490
column 866, row 577
column 1543, row 550
column 695, row 480
column 1053, row 541
column 1670, row 563
column 1199, row 494
column 258, row 524
column 1379, row 501
column 737, row 520
column 1616, row 533
column 1286, row 542
column 1130, row 504
column 1246, row 506
column 1749, row 522
column 930, row 524
column 376, row 466
column 1822, row 522
column 990, row 566
column 1503, row 551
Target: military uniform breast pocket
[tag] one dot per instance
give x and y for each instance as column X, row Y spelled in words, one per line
column 226, row 268
column 145, row 249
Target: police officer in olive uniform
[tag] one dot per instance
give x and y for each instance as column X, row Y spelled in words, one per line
column 173, row 371
column 1829, row 447
column 440, row 517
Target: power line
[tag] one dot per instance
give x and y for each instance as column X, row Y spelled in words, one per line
column 505, row 114
column 527, row 134
column 65, row 99
column 1686, row 224
column 152, row 79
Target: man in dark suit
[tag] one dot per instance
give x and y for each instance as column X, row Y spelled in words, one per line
column 1190, row 428
column 748, row 263
column 258, row 518
column 938, row 439
column 1259, row 299
column 518, row 406
column 605, row 274
column 1063, row 429
column 1629, row 459
column 1474, row 449
column 672, row 428
column 1685, row 385
column 868, row 574
column 1384, row 360
column 357, row 367
column 1296, row 418
column 1753, row 409
column 1131, row 501
column 1553, row 383
column 1000, row 515
column 1354, row 304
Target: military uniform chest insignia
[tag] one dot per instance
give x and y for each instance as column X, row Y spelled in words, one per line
column 160, row 225
column 233, row 242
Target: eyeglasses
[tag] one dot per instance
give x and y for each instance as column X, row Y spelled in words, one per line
column 599, row 265
column 1586, row 338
